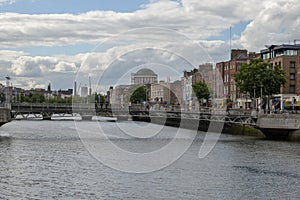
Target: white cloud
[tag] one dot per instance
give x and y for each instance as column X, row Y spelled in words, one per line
column 7, row 2
column 8, row 55
column 65, row 67
column 196, row 19
column 270, row 23
column 27, row 66
column 278, row 22
column 32, row 71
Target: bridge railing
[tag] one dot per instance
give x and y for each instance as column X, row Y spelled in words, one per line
column 92, row 108
column 23, row 108
column 56, row 107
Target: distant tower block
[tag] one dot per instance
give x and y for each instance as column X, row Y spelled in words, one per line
column 90, row 88
column 84, row 91
column 75, row 89
column 49, row 87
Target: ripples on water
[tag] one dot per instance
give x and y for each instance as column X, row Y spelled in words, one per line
column 47, row 160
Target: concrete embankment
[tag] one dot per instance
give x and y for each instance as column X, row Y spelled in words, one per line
column 237, row 129
column 280, row 126
column 234, row 129
column 5, row 116
column 203, row 125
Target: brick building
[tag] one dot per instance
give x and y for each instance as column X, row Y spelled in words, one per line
column 288, row 58
column 228, row 69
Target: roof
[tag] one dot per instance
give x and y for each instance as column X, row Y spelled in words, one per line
column 145, row 71
column 282, row 46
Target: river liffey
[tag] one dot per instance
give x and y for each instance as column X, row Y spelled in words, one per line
column 47, row 160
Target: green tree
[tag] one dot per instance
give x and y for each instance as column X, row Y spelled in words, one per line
column 201, row 91
column 257, row 75
column 137, row 93
column 37, row 98
column 102, row 98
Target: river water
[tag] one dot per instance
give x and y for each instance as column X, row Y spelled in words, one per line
column 47, row 160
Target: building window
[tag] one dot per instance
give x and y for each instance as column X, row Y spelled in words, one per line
column 290, row 52
column 266, row 56
column 279, row 63
column 292, row 76
column 292, row 89
column 292, row 64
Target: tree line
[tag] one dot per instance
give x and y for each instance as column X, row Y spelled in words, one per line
column 40, row 98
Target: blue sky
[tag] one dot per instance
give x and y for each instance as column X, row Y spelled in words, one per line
column 71, row 6
column 237, row 29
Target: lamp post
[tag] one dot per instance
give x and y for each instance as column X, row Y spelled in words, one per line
column 294, row 102
column 254, row 106
column 261, row 93
column 7, row 93
column 146, row 93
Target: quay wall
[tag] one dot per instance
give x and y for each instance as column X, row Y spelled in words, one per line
column 279, row 126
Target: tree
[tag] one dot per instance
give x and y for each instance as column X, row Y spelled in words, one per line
column 201, row 90
column 137, row 93
column 37, row 98
column 258, row 75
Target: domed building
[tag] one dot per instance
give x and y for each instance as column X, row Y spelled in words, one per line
column 144, row 76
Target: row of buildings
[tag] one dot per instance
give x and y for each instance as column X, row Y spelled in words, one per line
column 10, row 93
column 287, row 56
column 219, row 78
column 178, row 92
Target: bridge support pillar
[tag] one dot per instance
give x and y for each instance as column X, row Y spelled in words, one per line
column 5, row 116
column 276, row 134
column 86, row 117
column 46, row 117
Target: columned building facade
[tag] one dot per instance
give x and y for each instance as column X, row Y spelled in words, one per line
column 143, row 76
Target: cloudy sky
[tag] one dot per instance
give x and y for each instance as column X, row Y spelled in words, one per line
column 58, row 41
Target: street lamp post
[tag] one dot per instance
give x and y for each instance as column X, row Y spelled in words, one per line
column 261, row 93
column 294, row 102
column 7, row 93
column 254, row 87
